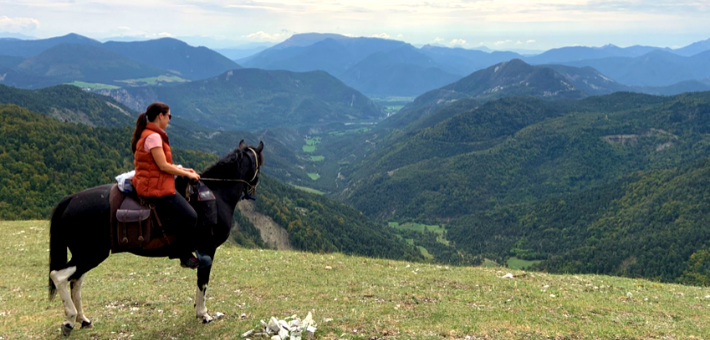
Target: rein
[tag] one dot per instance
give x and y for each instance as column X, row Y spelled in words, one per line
column 252, row 187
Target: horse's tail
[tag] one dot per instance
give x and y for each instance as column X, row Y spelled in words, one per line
column 57, row 243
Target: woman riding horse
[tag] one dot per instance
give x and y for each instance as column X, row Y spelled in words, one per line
column 81, row 223
column 154, row 178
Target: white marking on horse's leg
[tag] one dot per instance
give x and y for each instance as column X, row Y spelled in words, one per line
column 61, row 281
column 76, row 298
column 200, row 308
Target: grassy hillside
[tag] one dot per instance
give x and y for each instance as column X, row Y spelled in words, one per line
column 140, row 298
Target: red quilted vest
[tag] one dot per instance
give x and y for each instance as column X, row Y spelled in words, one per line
column 149, row 180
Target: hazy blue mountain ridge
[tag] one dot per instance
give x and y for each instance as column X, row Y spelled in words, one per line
column 656, row 68
column 176, row 56
column 28, row 48
column 403, row 71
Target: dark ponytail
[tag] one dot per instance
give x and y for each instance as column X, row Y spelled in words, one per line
column 151, row 112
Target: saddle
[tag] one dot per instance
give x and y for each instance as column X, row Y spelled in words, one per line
column 133, row 223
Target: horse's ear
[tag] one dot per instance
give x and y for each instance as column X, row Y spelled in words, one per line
column 260, row 147
column 242, row 145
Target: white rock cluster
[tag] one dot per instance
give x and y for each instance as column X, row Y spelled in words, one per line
column 294, row 329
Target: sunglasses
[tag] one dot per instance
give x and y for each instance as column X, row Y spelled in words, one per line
column 170, row 116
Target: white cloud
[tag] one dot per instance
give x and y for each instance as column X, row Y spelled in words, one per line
column 519, row 42
column 502, row 42
column 399, row 36
column 381, row 35
column 263, row 36
column 531, row 41
column 459, row 42
column 16, row 25
column 438, row 40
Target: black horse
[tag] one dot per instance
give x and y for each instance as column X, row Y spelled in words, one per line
column 81, row 222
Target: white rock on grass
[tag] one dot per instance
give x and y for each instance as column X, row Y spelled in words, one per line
column 274, row 324
column 248, row 333
column 283, row 334
column 275, row 337
column 308, row 321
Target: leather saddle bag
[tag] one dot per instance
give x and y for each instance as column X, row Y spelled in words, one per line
column 134, row 224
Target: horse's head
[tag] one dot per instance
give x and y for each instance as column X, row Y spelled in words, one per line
column 256, row 156
column 242, row 165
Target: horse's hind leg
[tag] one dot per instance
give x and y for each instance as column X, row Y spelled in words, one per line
column 61, row 281
column 76, row 298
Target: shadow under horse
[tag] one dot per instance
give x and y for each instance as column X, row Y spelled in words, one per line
column 81, row 223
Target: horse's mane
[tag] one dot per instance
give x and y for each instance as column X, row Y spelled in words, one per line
column 217, row 169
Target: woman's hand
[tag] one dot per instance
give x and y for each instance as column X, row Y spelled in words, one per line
column 189, row 170
column 193, row 176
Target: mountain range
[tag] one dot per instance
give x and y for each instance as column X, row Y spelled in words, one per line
column 655, row 68
column 74, row 58
column 517, row 78
column 373, row 66
column 383, row 67
column 254, row 99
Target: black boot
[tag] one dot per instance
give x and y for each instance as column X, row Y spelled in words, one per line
column 189, row 261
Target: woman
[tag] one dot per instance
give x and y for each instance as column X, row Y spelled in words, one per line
column 155, row 182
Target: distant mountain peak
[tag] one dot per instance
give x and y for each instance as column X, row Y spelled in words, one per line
column 74, row 37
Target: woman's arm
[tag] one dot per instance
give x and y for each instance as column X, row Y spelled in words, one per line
column 159, row 157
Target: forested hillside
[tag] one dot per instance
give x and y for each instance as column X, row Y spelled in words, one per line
column 610, row 184
column 42, row 160
column 70, row 104
column 518, row 150
column 253, row 99
column 650, row 224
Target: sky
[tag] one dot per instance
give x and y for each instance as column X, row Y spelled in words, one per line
column 498, row 24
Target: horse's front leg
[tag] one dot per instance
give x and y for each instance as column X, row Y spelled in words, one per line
column 203, row 278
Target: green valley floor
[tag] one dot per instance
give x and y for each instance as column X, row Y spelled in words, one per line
column 129, row 297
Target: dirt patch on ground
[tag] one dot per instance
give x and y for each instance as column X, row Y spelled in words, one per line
column 273, row 235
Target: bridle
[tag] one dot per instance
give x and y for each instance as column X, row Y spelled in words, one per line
column 251, row 185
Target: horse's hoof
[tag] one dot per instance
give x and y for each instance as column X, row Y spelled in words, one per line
column 206, row 319
column 86, row 324
column 66, row 329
